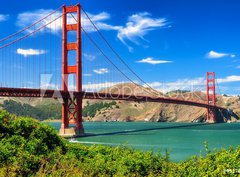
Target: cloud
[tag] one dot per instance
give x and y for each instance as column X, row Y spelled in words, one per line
column 89, row 57
column 27, row 52
column 101, row 71
column 45, row 82
column 138, row 25
column 233, row 78
column 27, row 18
column 3, row 17
column 99, row 21
column 87, row 75
column 152, row 61
column 194, row 84
column 181, row 84
column 98, row 86
column 190, row 84
column 213, row 54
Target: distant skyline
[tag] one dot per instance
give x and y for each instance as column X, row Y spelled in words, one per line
column 174, row 42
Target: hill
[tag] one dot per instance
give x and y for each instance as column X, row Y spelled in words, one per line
column 160, row 112
column 98, row 110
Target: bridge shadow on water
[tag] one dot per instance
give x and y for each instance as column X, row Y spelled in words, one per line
column 128, row 132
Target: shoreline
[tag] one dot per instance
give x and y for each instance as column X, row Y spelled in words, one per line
column 51, row 121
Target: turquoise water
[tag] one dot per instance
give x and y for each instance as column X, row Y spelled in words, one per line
column 182, row 139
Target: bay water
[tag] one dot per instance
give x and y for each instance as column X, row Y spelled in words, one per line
column 182, row 140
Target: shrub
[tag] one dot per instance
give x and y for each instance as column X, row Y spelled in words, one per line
column 24, row 143
column 91, row 110
column 29, row 148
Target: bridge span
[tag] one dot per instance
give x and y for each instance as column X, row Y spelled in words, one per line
column 42, row 93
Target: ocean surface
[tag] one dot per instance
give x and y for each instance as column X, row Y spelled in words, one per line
column 183, row 140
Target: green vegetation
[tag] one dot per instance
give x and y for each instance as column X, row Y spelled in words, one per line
column 51, row 111
column 25, row 143
column 178, row 92
column 30, row 148
column 91, row 110
column 228, row 104
column 40, row 112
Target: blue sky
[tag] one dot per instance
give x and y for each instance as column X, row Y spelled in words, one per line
column 174, row 42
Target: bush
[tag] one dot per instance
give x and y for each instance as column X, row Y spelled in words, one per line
column 40, row 112
column 30, row 148
column 91, row 110
column 25, row 143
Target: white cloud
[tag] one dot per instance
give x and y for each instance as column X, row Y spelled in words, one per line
column 232, row 78
column 194, row 84
column 3, row 17
column 47, row 86
column 101, row 71
column 213, row 54
column 190, row 84
column 181, row 84
column 98, row 86
column 98, row 20
column 87, row 75
column 45, row 82
column 27, row 18
column 138, row 26
column 89, row 57
column 27, row 52
column 152, row 61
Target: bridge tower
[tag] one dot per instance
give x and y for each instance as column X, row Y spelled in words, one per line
column 211, row 97
column 72, row 105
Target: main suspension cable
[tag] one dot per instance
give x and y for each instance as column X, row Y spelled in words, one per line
column 16, row 33
column 218, row 87
column 95, row 44
column 29, row 34
column 118, row 56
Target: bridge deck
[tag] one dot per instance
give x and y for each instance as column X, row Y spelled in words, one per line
column 38, row 93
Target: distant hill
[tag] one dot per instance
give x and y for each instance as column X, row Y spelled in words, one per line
column 161, row 112
column 98, row 110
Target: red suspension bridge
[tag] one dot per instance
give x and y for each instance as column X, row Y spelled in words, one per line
column 33, row 66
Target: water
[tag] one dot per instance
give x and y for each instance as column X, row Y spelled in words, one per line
column 181, row 139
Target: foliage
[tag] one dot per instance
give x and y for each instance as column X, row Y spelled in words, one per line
column 24, row 144
column 51, row 111
column 40, row 112
column 30, row 148
column 216, row 163
column 91, row 110
column 228, row 104
column 177, row 92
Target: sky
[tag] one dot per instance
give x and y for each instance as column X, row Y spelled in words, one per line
column 171, row 43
